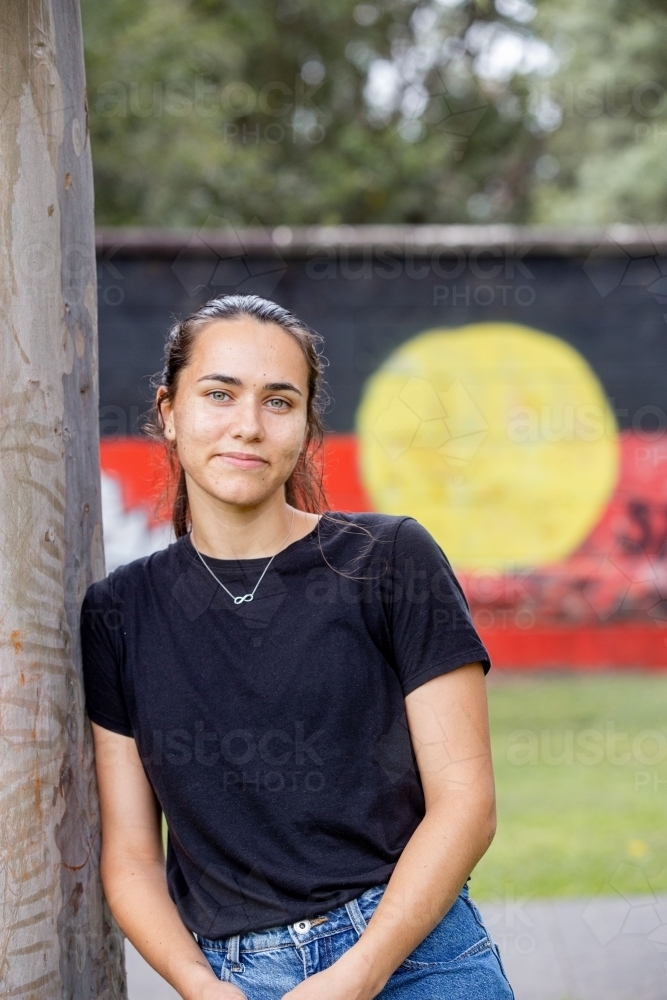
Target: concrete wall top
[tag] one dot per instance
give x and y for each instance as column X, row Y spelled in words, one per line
column 618, row 239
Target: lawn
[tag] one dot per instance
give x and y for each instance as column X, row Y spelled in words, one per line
column 581, row 777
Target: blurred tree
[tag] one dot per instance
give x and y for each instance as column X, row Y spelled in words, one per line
column 301, row 111
column 606, row 160
column 330, row 111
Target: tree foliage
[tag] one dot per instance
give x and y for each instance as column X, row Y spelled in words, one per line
column 611, row 90
column 333, row 111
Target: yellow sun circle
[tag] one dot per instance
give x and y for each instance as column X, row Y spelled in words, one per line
column 498, row 438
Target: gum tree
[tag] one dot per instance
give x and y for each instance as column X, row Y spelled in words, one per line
column 56, row 936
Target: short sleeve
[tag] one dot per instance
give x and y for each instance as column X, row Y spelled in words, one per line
column 101, row 652
column 431, row 625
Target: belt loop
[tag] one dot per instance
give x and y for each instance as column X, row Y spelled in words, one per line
column 233, row 952
column 356, row 916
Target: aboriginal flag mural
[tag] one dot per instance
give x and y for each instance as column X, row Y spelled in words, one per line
column 519, row 417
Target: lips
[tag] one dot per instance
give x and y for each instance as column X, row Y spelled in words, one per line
column 241, row 460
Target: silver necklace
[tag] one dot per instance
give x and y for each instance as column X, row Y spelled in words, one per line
column 245, row 597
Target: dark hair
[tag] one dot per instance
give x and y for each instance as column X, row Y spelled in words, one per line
column 304, row 489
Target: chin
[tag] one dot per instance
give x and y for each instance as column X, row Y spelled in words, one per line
column 239, row 487
column 242, row 497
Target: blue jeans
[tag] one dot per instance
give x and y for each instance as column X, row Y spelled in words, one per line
column 457, row 961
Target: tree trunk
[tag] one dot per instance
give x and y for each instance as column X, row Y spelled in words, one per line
column 57, row 939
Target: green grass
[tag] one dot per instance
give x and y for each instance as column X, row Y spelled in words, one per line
column 584, row 825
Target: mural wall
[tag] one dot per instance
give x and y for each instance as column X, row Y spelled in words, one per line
column 511, row 398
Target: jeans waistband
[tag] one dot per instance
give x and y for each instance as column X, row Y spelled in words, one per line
column 354, row 913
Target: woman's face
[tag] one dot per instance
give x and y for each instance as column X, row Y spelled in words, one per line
column 240, row 412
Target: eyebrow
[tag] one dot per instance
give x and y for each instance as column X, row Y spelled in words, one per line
column 232, row 380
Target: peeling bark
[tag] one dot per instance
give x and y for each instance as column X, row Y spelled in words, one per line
column 57, row 938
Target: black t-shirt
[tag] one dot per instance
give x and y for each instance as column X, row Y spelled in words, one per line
column 274, row 732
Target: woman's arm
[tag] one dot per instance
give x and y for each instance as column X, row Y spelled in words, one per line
column 133, row 873
column 448, row 722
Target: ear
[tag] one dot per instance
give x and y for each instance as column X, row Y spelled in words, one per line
column 166, row 415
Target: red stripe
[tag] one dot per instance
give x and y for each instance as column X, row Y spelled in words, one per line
column 633, row 647
column 140, row 467
column 342, row 477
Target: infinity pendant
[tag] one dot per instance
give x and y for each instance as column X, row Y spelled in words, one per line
column 242, row 598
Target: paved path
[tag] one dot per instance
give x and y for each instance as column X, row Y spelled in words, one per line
column 608, row 948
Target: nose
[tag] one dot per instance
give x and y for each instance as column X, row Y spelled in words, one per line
column 247, row 423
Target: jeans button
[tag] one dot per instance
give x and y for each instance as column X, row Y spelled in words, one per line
column 302, row 926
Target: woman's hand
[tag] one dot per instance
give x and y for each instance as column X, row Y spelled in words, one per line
column 221, row 991
column 327, row 985
column 346, row 979
column 133, row 873
column 449, row 730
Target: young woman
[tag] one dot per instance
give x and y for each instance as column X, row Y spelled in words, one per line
column 301, row 692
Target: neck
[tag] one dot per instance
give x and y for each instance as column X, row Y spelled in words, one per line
column 248, row 533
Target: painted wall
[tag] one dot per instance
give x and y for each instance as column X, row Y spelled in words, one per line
column 514, row 404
